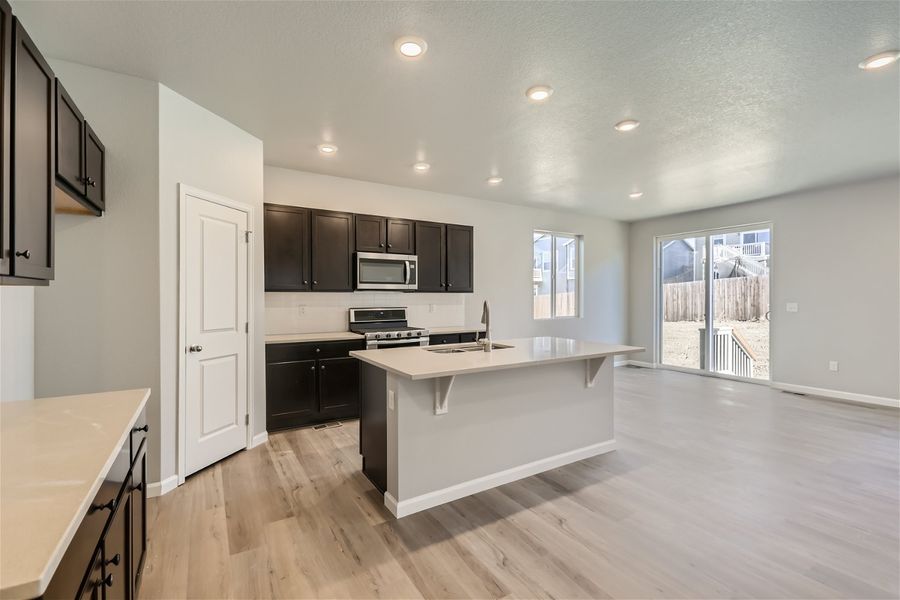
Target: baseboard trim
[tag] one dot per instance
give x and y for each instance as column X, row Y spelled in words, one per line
column 639, row 363
column 837, row 395
column 160, row 488
column 416, row 504
column 259, row 439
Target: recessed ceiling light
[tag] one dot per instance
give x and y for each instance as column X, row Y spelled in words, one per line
column 421, row 167
column 627, row 125
column 327, row 149
column 879, row 60
column 411, row 46
column 539, row 93
column 495, row 180
column 635, row 195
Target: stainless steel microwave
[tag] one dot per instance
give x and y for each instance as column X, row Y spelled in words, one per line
column 381, row 271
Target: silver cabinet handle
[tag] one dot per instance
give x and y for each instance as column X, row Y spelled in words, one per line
column 196, row 348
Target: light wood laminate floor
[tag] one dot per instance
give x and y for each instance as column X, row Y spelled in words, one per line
column 718, row 489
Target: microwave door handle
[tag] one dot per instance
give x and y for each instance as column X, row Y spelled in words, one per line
column 408, row 272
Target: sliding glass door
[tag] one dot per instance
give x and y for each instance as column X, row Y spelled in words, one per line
column 714, row 301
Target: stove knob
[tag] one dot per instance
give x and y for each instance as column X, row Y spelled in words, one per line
column 377, row 336
column 389, row 335
column 408, row 334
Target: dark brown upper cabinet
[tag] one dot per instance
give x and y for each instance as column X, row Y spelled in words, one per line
column 33, row 117
column 69, row 142
column 6, row 68
column 94, row 168
column 80, row 160
column 431, row 249
column 332, row 251
column 401, row 236
column 460, row 258
column 371, row 233
column 286, row 248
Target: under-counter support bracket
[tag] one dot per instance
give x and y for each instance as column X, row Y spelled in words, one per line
column 442, row 387
column 592, row 368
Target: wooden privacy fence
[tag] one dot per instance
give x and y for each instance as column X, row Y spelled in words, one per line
column 736, row 299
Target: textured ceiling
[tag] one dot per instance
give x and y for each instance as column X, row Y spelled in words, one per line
column 736, row 100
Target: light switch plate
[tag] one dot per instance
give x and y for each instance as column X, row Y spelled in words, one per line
column 832, row 365
column 793, row 307
column 390, row 399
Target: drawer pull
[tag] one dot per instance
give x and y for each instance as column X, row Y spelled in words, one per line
column 115, row 560
column 138, row 488
column 145, row 429
column 108, row 580
column 110, row 506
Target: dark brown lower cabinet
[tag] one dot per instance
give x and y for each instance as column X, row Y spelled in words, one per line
column 373, row 424
column 106, row 554
column 116, row 549
column 311, row 382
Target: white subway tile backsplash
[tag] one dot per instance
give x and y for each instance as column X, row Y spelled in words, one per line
column 306, row 312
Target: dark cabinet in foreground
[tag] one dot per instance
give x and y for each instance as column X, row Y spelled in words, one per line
column 105, row 557
column 311, row 382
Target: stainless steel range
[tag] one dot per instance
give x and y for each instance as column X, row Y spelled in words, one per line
column 386, row 328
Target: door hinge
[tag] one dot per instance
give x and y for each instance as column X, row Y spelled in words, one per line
column 247, row 419
column 247, row 327
column 247, row 236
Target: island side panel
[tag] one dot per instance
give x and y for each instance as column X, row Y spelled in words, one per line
column 373, row 424
column 500, row 426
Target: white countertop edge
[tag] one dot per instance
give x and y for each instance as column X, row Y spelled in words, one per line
column 33, row 589
column 325, row 336
column 487, row 368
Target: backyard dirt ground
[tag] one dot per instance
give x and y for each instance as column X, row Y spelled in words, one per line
column 681, row 343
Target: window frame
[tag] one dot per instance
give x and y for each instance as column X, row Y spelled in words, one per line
column 579, row 274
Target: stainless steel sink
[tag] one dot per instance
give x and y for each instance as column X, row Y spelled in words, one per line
column 464, row 348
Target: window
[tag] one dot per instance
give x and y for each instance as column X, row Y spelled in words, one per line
column 556, row 274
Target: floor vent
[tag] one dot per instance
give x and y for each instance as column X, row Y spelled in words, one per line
column 328, row 425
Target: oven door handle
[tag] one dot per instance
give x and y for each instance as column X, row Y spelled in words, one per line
column 408, row 272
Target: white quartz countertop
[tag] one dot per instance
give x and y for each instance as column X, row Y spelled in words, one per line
column 419, row 363
column 452, row 330
column 54, row 454
column 325, row 336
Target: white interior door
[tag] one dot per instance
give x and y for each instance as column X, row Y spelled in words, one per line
column 215, row 312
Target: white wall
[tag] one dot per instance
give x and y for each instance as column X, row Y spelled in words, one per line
column 16, row 343
column 835, row 252
column 202, row 150
column 503, row 261
column 97, row 324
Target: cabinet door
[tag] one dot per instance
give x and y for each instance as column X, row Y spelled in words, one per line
column 286, row 248
column 33, row 159
column 431, row 249
column 138, row 515
column 5, row 69
column 69, row 142
column 460, row 270
column 338, row 387
column 92, row 588
column 117, row 550
column 370, row 233
column 401, row 236
column 290, row 394
column 94, row 168
column 332, row 251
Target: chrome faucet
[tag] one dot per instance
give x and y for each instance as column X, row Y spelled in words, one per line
column 486, row 321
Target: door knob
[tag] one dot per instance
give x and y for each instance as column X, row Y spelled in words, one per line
column 26, row 254
column 196, row 348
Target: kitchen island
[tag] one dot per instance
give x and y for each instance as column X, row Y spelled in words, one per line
column 441, row 423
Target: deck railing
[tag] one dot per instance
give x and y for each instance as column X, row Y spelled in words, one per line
column 731, row 353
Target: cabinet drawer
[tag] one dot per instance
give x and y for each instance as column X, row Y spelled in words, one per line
column 470, row 337
column 311, row 350
column 447, row 338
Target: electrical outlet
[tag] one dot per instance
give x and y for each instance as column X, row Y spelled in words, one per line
column 793, row 307
column 390, row 399
column 832, row 365
column 301, row 310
